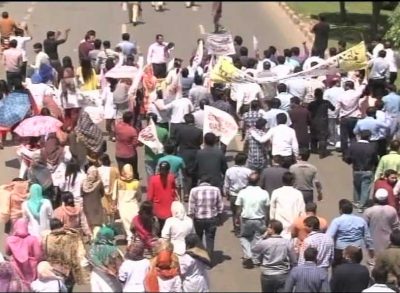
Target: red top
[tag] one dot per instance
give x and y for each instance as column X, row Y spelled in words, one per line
column 161, row 197
column 382, row 183
column 126, row 138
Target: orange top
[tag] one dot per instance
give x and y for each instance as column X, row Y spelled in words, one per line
column 299, row 229
column 7, row 26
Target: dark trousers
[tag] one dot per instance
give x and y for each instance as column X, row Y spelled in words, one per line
column 56, row 64
column 273, row 283
column 381, row 145
column 308, row 196
column 319, row 145
column 287, row 161
column 172, row 130
column 377, row 87
column 133, row 161
column 232, row 201
column 207, row 227
column 337, row 257
column 23, row 70
column 392, row 77
column 161, row 223
column 347, row 125
column 160, row 70
column 13, row 78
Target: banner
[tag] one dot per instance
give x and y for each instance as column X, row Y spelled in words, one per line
column 224, row 72
column 148, row 136
column 220, row 44
column 199, row 55
column 220, row 123
column 255, row 44
column 354, row 58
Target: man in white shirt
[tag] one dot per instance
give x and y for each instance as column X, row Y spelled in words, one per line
column 283, row 139
column 282, row 69
column 236, row 179
column 274, row 110
column 267, row 56
column 252, row 205
column 158, row 55
column 199, row 114
column 378, row 47
column 332, row 95
column 348, row 111
column 311, row 85
column 379, row 73
column 297, row 87
column 391, row 58
column 284, row 97
column 380, row 276
column 41, row 57
column 287, row 204
column 21, row 44
column 308, row 63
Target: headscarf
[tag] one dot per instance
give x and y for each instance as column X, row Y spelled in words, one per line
column 178, row 210
column 103, row 252
column 149, row 80
column 10, row 280
column 135, row 251
column 46, row 72
column 89, row 133
column 35, row 78
column 127, row 173
column 35, row 200
column 52, row 151
column 18, row 242
column 164, row 267
column 92, row 180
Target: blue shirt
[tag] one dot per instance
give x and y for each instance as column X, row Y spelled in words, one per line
column 127, row 48
column 350, row 230
column 392, row 103
column 307, row 278
column 371, row 124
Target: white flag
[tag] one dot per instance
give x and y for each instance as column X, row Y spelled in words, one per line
column 199, row 55
column 148, row 136
column 255, row 44
column 220, row 123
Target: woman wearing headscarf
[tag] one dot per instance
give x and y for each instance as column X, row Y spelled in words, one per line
column 177, row 227
column 39, row 173
column 194, row 265
column 108, row 174
column 89, row 134
column 92, row 192
column 86, row 75
column 71, row 215
column 144, row 226
column 56, row 157
column 38, row 210
column 65, row 251
column 48, row 280
column 24, row 250
column 134, row 268
column 162, row 192
column 163, row 275
column 105, row 259
column 10, row 281
column 126, row 197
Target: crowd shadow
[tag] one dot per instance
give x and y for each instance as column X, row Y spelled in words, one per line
column 220, row 257
column 13, row 163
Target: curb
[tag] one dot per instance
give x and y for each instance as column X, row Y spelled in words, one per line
column 297, row 19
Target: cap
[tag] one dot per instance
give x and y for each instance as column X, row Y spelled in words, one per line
column 381, row 194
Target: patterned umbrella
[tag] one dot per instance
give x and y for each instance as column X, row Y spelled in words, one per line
column 38, row 126
column 14, row 108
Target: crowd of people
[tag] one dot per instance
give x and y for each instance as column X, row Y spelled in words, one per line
column 70, row 205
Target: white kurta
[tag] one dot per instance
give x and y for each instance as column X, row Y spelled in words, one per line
column 194, row 274
column 110, row 111
column 132, row 274
column 176, row 230
column 35, row 227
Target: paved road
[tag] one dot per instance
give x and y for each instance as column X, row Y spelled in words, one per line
column 180, row 25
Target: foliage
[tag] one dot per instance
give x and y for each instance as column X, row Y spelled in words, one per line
column 394, row 31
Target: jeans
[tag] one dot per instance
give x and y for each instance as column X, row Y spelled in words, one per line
column 308, row 196
column 207, row 227
column 232, row 200
column 333, row 131
column 273, row 283
column 346, row 132
column 13, row 78
column 251, row 231
column 362, row 183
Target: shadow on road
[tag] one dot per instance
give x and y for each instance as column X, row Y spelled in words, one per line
column 220, row 257
column 14, row 163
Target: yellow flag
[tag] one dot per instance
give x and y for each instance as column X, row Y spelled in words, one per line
column 224, row 71
column 354, row 58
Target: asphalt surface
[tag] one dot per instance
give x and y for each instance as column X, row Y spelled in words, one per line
column 265, row 20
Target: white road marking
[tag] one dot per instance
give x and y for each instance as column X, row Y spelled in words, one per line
column 30, row 9
column 123, row 28
column 202, row 30
column 124, row 6
column 27, row 17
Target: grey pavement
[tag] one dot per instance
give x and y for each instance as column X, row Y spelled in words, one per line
column 265, row 20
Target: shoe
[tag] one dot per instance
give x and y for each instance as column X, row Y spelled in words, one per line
column 248, row 264
column 1, row 146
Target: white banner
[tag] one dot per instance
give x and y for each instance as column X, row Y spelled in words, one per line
column 148, row 136
column 220, row 123
column 220, row 44
column 199, row 55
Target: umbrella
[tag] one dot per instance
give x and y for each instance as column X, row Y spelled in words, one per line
column 38, row 126
column 122, row 72
column 14, row 108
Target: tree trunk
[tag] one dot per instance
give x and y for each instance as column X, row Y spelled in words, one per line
column 376, row 10
column 343, row 12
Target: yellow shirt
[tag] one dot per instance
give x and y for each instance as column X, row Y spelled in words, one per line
column 92, row 84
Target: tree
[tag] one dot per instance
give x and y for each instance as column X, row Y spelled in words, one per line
column 394, row 27
column 376, row 11
column 343, row 12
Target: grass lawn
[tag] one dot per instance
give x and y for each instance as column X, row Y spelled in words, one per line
column 354, row 29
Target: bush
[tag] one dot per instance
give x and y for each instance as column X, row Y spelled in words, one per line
column 394, row 27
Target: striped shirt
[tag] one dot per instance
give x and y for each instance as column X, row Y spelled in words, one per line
column 324, row 245
column 307, row 278
column 205, row 202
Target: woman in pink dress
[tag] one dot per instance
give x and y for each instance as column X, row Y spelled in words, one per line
column 24, row 250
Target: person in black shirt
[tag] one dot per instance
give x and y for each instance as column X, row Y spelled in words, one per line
column 321, row 32
column 350, row 276
column 50, row 47
column 363, row 155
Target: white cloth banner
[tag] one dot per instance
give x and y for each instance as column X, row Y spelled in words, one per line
column 148, row 136
column 220, row 123
column 220, row 44
column 199, row 55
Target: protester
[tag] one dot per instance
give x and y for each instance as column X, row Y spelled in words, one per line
column 47, row 280
column 380, row 277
